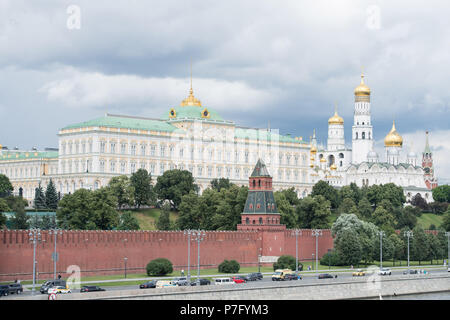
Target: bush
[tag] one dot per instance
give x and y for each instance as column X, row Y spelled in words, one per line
column 229, row 266
column 331, row 259
column 159, row 267
column 286, row 262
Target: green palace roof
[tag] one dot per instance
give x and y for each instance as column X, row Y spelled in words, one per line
column 192, row 112
column 25, row 155
column 113, row 121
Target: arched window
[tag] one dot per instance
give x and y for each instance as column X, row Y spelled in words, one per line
column 247, row 220
column 356, row 136
column 363, row 135
column 260, row 221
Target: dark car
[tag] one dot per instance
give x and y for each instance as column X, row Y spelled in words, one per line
column 251, row 277
column 52, row 283
column 291, row 276
column 203, row 282
column 15, row 288
column 4, row 290
column 91, row 289
column 410, row 272
column 148, row 284
column 326, row 276
column 259, row 275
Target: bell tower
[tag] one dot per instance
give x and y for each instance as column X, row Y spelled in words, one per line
column 427, row 164
column 362, row 130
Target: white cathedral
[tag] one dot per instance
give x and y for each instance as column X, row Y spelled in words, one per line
column 339, row 165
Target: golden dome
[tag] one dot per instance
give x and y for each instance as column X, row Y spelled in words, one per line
column 362, row 89
column 336, row 119
column 333, row 167
column 313, row 150
column 191, row 100
column 393, row 139
column 311, row 165
column 323, row 160
column 312, row 158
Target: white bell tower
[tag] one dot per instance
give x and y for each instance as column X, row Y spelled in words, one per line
column 362, row 130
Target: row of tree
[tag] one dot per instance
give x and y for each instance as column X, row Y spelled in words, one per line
column 359, row 241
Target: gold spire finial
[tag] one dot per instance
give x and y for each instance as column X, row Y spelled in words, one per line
column 362, row 89
column 191, row 100
column 336, row 119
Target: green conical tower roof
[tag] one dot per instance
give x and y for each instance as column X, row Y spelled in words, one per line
column 260, row 170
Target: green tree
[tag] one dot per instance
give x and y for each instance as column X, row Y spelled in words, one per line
column 348, row 206
column 324, row 189
column 39, row 198
column 164, row 219
column 141, row 181
column 384, row 219
column 188, row 215
column 441, row 193
column 397, row 246
column 419, row 202
column 365, row 208
column 290, row 196
column 435, row 247
column 348, row 247
column 173, row 185
column 446, row 220
column 20, row 219
column 419, row 246
column 127, row 221
column 219, row 184
column 159, row 267
column 351, row 191
column 313, row 212
column 6, row 187
column 123, row 190
column 229, row 266
column 103, row 209
column 51, row 196
column 74, row 211
column 406, row 217
column 3, row 208
column 286, row 210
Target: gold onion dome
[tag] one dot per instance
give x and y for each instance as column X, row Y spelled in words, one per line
column 336, row 119
column 323, row 160
column 333, row 167
column 191, row 100
column 362, row 89
column 393, row 139
column 313, row 150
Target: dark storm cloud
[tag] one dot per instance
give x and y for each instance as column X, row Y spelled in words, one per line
column 254, row 61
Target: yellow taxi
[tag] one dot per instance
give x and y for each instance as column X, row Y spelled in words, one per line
column 59, row 289
column 359, row 273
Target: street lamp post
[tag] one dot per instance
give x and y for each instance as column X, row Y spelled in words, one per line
column 408, row 234
column 189, row 232
column 35, row 236
column 125, row 260
column 199, row 236
column 55, row 257
column 448, row 249
column 296, row 232
column 316, row 233
column 381, row 233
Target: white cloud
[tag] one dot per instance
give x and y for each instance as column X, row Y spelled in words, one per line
column 78, row 89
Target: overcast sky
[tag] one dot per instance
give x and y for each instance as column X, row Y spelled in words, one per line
column 286, row 62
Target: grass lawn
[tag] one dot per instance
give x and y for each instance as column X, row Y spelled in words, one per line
column 147, row 218
column 427, row 219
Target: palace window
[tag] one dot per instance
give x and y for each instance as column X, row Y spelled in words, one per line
column 143, row 149
column 102, row 146
column 123, row 148
column 133, row 149
column 112, row 145
column 153, row 150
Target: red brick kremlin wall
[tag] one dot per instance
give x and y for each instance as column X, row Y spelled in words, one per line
column 103, row 252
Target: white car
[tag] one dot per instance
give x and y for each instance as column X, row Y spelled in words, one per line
column 59, row 289
column 384, row 272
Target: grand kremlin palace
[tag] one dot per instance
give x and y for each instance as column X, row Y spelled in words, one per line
column 189, row 137
column 196, row 138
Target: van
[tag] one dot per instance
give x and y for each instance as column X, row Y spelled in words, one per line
column 223, row 281
column 165, row 283
column 280, row 274
column 52, row 283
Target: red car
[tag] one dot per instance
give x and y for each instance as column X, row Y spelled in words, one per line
column 238, row 279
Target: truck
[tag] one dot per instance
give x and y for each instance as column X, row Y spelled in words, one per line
column 280, row 274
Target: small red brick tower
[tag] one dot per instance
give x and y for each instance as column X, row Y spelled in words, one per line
column 261, row 214
column 427, row 164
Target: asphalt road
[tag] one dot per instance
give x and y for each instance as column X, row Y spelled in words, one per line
column 309, row 278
